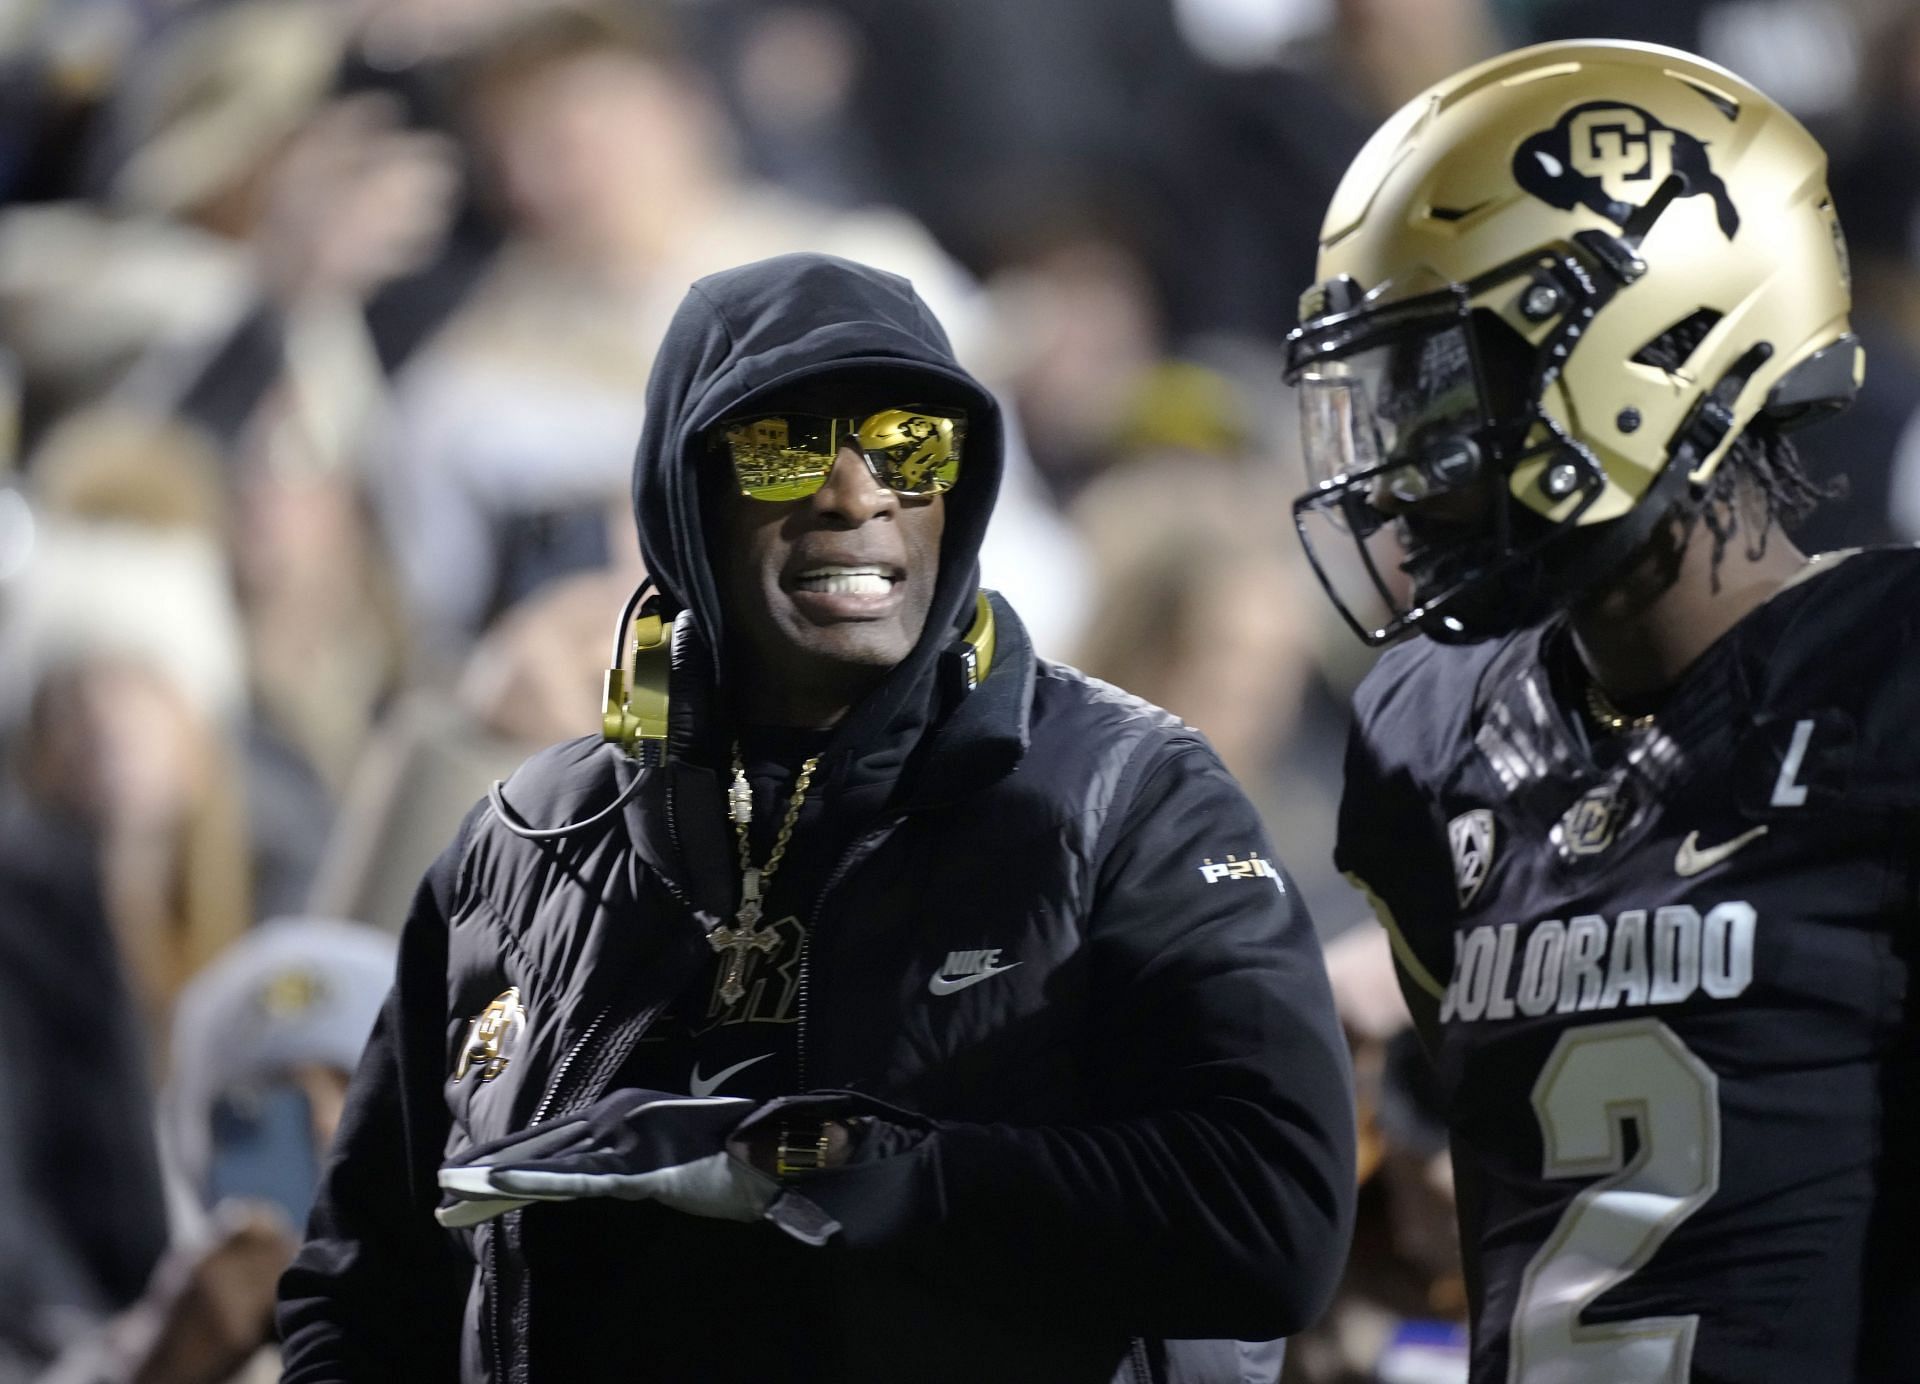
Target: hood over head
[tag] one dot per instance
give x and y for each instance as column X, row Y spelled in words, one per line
column 799, row 329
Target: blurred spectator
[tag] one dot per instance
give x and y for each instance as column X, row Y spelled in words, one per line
column 263, row 1045
column 1193, row 572
column 509, row 457
column 1200, row 217
column 59, row 63
column 271, row 1030
column 85, row 294
column 82, row 1216
column 251, row 217
column 975, row 112
column 1876, row 186
column 1079, row 331
column 122, row 675
column 1805, row 54
column 1392, row 50
column 1876, row 180
column 532, row 680
column 324, row 631
column 790, row 74
column 1188, row 618
column 1399, row 1316
column 1246, row 170
column 121, row 466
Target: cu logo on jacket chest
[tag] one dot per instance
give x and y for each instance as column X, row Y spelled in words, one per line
column 493, row 1030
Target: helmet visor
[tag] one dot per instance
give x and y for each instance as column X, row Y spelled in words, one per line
column 1388, row 429
column 1410, row 510
column 1411, row 404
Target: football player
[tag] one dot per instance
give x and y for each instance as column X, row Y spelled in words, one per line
column 1640, row 807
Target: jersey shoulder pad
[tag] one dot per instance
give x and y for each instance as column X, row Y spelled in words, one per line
column 1413, row 727
column 1838, row 653
column 1415, row 709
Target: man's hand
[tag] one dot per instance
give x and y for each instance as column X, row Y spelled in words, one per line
column 215, row 1307
column 634, row 1145
column 355, row 201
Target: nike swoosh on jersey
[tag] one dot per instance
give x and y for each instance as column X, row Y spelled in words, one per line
column 940, row 985
column 1691, row 859
column 698, row 1085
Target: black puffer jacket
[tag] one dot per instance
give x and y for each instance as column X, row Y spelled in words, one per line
column 1140, row 1127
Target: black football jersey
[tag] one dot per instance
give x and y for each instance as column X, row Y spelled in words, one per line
column 1671, row 970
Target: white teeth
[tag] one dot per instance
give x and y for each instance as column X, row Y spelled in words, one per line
column 845, row 581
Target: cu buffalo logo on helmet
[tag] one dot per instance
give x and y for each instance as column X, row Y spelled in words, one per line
column 1612, row 158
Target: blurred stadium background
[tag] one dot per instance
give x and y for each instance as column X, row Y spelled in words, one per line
column 323, row 327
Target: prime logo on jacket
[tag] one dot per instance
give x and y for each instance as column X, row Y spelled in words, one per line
column 1233, row 867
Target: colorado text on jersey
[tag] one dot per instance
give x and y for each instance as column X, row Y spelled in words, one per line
column 1586, row 964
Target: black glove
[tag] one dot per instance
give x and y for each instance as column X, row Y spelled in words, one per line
column 634, row 1145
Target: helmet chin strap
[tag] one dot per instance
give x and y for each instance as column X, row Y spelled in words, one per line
column 1576, row 563
column 1612, row 547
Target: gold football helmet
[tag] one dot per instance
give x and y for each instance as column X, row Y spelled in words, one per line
column 1554, row 288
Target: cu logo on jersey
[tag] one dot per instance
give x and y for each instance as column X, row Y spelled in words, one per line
column 1611, row 158
column 1471, row 837
column 1589, row 826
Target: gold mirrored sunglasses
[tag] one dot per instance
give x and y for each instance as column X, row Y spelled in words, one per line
column 788, row 456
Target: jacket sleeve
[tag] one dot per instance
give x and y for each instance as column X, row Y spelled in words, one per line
column 378, row 1291
column 1212, row 1196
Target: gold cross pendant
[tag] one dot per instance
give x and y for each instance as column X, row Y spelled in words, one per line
column 743, row 937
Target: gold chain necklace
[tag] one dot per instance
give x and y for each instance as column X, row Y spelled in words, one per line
column 1610, row 717
column 745, row 935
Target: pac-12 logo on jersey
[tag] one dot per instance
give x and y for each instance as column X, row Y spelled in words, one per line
column 1471, row 837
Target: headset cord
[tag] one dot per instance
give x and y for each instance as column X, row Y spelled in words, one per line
column 511, row 819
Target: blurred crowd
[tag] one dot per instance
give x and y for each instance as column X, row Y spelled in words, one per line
column 323, row 332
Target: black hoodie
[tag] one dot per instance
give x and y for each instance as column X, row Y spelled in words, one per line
column 774, row 330
column 1052, row 952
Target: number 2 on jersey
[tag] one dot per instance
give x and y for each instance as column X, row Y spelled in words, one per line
column 1599, row 1077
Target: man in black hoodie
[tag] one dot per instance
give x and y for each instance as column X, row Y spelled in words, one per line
column 910, row 1008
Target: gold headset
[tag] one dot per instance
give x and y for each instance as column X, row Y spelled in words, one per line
column 634, row 710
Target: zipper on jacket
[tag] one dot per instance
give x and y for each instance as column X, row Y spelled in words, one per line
column 566, row 1062
column 493, row 1303
column 497, row 1322
column 1142, row 1370
column 504, row 1370
column 840, row 870
column 593, row 1027
column 552, row 1096
column 547, row 1102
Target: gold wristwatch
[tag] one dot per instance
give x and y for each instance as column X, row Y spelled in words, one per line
column 802, row 1148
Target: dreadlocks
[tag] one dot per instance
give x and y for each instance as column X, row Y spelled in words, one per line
column 1764, row 466
column 1761, row 465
